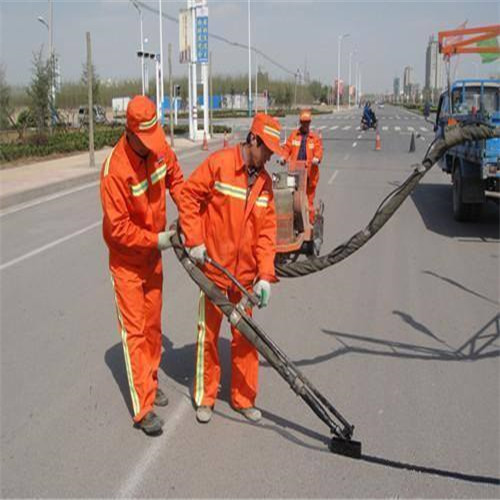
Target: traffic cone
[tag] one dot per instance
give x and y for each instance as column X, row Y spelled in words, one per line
column 226, row 142
column 378, row 145
column 412, row 143
column 204, row 146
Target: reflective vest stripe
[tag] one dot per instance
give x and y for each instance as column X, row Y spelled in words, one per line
column 159, row 173
column 200, row 352
column 108, row 161
column 138, row 189
column 130, row 376
column 147, row 125
column 233, row 191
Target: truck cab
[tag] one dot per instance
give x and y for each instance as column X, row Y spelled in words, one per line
column 473, row 166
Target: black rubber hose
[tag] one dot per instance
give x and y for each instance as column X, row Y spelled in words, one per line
column 264, row 345
column 453, row 136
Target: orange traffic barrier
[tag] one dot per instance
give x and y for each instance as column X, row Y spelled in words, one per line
column 378, row 145
column 226, row 142
column 204, row 146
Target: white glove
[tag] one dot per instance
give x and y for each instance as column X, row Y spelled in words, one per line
column 315, row 161
column 164, row 239
column 198, row 254
column 263, row 291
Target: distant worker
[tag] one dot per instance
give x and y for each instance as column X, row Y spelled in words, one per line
column 134, row 179
column 227, row 212
column 304, row 145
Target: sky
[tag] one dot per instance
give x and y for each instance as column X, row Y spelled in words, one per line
column 384, row 37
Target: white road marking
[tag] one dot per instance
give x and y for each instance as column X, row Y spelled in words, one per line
column 358, row 128
column 347, row 127
column 335, row 127
column 332, row 178
column 397, row 117
column 397, row 128
column 346, row 156
column 48, row 246
column 411, row 129
column 151, row 454
column 423, row 129
column 354, row 144
column 385, row 128
column 360, row 136
column 66, row 192
column 322, row 127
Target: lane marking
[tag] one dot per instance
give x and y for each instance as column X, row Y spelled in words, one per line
column 346, row 156
column 332, row 178
column 48, row 246
column 360, row 136
column 411, row 129
column 151, row 454
column 347, row 127
column 397, row 128
column 358, row 127
column 423, row 129
column 335, row 127
column 322, row 127
column 66, row 192
column 385, row 128
column 354, row 144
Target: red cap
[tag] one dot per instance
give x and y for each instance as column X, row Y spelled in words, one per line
column 143, row 122
column 269, row 130
column 305, row 115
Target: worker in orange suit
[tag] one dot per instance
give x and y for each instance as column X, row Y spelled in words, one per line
column 227, row 211
column 134, row 179
column 304, row 145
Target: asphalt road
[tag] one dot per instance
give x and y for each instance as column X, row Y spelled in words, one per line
column 403, row 337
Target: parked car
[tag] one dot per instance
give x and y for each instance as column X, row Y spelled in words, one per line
column 83, row 115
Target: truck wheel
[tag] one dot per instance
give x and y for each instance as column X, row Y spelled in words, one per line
column 463, row 212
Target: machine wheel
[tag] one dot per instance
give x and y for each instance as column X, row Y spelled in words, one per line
column 463, row 212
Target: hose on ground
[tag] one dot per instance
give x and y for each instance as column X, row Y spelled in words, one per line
column 453, row 136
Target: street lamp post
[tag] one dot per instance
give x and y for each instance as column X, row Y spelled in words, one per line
column 135, row 4
column 349, row 90
column 50, row 58
column 338, row 67
column 249, row 66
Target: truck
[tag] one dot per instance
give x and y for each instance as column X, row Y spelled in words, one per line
column 474, row 166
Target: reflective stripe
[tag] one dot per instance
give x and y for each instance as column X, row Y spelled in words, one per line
column 272, row 131
column 147, row 125
column 128, row 365
column 158, row 174
column 108, row 161
column 200, row 352
column 295, row 143
column 138, row 189
column 311, row 145
column 262, row 201
column 233, row 191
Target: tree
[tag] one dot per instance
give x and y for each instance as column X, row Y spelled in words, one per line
column 5, row 109
column 39, row 90
column 96, row 83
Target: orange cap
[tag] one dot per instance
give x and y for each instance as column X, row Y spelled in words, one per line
column 143, row 122
column 305, row 115
column 269, row 130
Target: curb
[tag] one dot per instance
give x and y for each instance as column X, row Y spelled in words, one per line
column 31, row 194
column 51, row 188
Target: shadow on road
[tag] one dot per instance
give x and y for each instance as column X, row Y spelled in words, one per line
column 459, row 285
column 481, row 345
column 430, row 470
column 434, row 203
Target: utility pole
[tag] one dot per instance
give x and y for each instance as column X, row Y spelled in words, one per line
column 91, row 102
column 160, row 106
column 170, row 95
column 249, row 66
column 211, row 96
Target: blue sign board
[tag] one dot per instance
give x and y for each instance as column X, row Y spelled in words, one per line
column 202, row 39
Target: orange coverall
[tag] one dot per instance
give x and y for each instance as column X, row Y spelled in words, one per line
column 133, row 197
column 314, row 149
column 237, row 224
